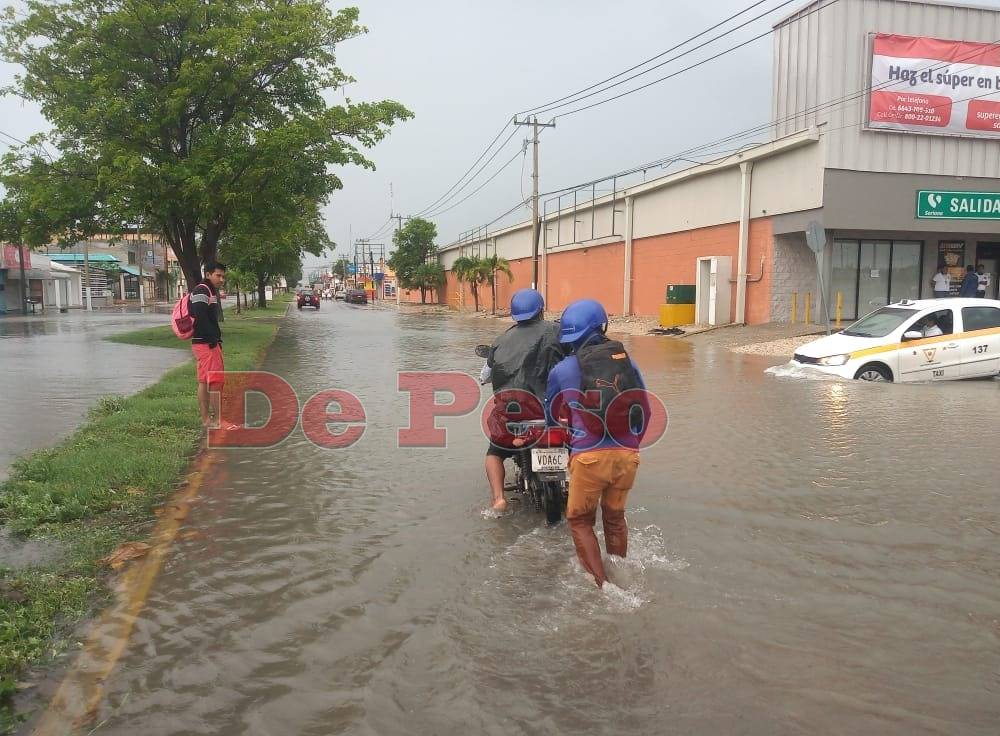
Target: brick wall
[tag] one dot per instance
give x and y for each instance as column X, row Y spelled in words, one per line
column 598, row 272
column 793, row 270
column 672, row 259
column 594, row 273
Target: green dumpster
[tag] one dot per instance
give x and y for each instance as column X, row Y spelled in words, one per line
column 680, row 294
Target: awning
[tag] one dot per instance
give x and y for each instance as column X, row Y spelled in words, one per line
column 133, row 271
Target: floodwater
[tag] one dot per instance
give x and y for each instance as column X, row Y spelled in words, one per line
column 54, row 367
column 807, row 557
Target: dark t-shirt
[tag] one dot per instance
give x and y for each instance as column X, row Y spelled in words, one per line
column 204, row 308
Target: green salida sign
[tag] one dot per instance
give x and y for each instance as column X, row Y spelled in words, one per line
column 938, row 205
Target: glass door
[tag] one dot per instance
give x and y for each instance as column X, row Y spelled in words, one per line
column 844, row 278
column 906, row 262
column 873, row 280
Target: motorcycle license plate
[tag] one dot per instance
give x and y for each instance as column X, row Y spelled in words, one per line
column 549, row 460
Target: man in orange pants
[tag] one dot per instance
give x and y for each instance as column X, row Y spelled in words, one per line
column 596, row 388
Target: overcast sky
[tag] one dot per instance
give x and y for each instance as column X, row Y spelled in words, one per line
column 464, row 68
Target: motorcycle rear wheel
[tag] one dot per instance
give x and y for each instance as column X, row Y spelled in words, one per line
column 552, row 498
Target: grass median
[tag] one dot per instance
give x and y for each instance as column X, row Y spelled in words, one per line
column 98, row 489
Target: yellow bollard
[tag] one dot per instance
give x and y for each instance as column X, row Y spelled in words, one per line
column 809, row 298
column 840, row 307
column 795, row 306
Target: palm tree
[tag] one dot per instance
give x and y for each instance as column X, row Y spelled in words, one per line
column 469, row 270
column 492, row 266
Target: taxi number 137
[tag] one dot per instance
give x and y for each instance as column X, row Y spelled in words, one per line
column 980, row 348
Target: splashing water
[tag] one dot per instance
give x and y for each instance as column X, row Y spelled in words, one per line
column 801, row 372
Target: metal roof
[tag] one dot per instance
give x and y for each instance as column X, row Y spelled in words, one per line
column 939, row 3
column 134, row 271
column 78, row 257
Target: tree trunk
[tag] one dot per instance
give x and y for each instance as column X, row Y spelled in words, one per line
column 475, row 294
column 423, row 295
column 185, row 246
column 237, row 300
column 493, row 291
column 261, row 293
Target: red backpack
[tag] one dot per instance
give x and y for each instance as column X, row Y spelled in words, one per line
column 181, row 320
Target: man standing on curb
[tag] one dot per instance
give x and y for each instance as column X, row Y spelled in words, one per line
column 604, row 445
column 206, row 343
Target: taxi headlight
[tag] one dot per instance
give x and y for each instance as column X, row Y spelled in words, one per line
column 835, row 359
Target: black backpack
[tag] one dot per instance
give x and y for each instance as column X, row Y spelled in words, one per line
column 606, row 368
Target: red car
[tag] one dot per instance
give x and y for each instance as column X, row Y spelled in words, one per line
column 308, row 298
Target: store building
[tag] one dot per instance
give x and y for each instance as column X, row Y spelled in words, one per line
column 48, row 285
column 884, row 141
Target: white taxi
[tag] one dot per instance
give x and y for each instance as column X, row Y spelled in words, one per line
column 925, row 340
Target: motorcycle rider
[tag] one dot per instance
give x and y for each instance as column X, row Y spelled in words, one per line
column 604, row 457
column 520, row 358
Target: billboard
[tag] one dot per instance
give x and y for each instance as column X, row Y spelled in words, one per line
column 927, row 85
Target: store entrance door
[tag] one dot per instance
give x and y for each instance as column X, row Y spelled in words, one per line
column 988, row 254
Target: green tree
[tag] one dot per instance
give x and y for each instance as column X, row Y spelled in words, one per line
column 273, row 247
column 240, row 282
column 494, row 266
column 414, row 247
column 195, row 111
column 428, row 277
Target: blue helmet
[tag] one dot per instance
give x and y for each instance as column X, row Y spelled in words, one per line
column 526, row 304
column 581, row 320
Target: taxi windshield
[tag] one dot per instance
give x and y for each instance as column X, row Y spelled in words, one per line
column 880, row 322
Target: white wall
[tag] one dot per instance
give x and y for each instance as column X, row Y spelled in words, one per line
column 794, row 271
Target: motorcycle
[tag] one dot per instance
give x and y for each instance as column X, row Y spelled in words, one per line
column 541, row 460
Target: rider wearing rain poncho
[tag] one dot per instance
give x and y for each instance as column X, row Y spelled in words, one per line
column 519, row 359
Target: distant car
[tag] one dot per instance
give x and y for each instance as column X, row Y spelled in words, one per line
column 339, row 293
column 925, row 340
column 308, row 298
column 356, row 296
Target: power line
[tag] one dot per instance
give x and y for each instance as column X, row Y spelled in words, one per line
column 680, row 56
column 477, row 189
column 643, row 63
column 459, row 186
column 474, row 164
column 688, row 68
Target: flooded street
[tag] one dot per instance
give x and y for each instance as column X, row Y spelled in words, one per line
column 806, row 557
column 55, row 367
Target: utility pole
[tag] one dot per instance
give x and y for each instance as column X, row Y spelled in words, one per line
column 86, row 274
column 23, row 282
column 399, row 227
column 535, row 225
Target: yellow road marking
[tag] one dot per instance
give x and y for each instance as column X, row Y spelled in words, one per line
column 82, row 688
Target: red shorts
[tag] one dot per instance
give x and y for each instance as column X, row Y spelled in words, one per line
column 210, row 366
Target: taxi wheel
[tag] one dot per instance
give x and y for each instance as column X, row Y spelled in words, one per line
column 874, row 372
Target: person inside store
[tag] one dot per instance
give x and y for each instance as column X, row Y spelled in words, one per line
column 970, row 284
column 941, row 283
